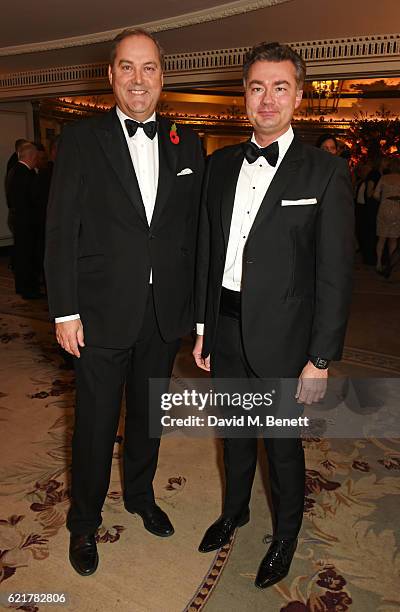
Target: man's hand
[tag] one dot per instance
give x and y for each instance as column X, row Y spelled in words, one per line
column 201, row 362
column 70, row 336
column 312, row 385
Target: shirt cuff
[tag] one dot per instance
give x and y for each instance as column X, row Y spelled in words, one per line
column 68, row 318
column 200, row 329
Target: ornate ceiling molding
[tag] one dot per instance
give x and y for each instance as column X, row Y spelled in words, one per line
column 359, row 56
column 229, row 9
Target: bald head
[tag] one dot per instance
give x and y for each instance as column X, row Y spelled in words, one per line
column 28, row 154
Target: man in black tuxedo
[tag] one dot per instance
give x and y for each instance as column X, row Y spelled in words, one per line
column 13, row 159
column 121, row 234
column 19, row 190
column 274, row 284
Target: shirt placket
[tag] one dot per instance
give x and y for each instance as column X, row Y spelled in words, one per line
column 245, row 226
column 144, row 173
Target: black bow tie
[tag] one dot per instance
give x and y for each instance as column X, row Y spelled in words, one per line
column 252, row 152
column 149, row 128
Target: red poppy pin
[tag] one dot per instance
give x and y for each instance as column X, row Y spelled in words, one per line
column 173, row 134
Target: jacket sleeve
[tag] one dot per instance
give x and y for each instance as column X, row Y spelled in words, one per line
column 334, row 265
column 62, row 228
column 203, row 251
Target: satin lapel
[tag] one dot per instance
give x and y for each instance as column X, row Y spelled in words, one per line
column 167, row 167
column 289, row 166
column 113, row 143
column 230, row 180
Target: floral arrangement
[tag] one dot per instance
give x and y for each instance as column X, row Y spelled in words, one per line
column 371, row 137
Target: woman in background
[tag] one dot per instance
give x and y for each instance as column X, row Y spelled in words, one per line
column 328, row 143
column 387, row 193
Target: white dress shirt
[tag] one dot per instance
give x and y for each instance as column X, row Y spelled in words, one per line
column 144, row 155
column 253, row 183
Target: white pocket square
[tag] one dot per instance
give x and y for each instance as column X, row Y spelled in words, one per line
column 302, row 202
column 185, row 171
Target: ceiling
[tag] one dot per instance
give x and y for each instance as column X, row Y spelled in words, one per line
column 53, row 19
column 195, row 25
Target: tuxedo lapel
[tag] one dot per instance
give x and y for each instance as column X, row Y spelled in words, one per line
column 167, row 168
column 287, row 169
column 230, row 180
column 113, row 143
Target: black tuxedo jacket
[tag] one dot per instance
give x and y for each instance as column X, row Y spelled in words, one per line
column 297, row 263
column 20, row 199
column 13, row 160
column 19, row 192
column 100, row 248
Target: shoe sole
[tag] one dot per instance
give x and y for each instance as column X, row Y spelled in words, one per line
column 156, row 533
column 84, row 573
column 270, row 584
column 241, row 523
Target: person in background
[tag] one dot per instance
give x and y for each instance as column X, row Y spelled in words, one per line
column 387, row 193
column 13, row 160
column 371, row 211
column 19, row 188
column 361, row 173
column 327, row 142
column 53, row 148
column 40, row 189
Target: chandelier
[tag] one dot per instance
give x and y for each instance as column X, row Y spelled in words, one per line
column 323, row 97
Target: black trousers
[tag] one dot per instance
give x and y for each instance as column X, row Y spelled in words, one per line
column 101, row 376
column 25, row 270
column 285, row 455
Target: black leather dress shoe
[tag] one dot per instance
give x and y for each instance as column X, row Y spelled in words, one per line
column 83, row 554
column 156, row 521
column 220, row 532
column 276, row 563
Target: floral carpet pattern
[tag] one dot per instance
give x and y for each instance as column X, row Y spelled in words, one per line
column 348, row 557
column 36, row 423
column 349, row 543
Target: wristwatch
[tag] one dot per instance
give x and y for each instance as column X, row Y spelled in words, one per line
column 319, row 362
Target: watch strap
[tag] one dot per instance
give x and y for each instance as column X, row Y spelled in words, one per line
column 319, row 362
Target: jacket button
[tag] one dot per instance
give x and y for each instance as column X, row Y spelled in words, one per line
column 151, row 237
column 249, row 261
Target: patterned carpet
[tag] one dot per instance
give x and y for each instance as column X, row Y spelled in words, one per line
column 348, row 556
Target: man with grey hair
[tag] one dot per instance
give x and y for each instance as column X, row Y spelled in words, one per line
column 14, row 157
column 274, row 284
column 121, row 235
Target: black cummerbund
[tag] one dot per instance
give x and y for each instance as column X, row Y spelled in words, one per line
column 230, row 304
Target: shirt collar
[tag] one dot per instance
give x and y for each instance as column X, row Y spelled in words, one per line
column 25, row 164
column 284, row 141
column 121, row 116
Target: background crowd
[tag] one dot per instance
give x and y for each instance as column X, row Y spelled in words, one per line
column 27, row 184
column 376, row 181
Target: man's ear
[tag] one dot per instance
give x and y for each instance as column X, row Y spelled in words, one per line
column 299, row 97
column 110, row 75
